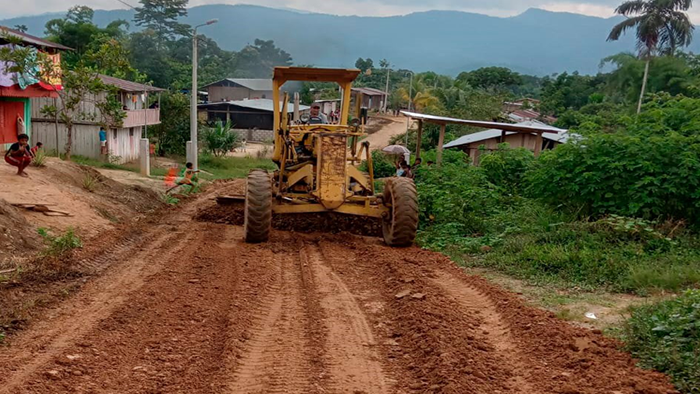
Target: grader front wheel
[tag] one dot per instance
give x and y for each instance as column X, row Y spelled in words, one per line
column 400, row 225
column 258, row 207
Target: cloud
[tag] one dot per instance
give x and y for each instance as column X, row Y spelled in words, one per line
column 601, row 8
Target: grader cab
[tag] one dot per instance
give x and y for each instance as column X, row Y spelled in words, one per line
column 318, row 170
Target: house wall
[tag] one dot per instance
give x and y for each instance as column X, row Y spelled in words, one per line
column 86, row 141
column 225, row 93
column 527, row 141
column 122, row 143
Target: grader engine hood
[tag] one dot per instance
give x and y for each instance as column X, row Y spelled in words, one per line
column 331, row 171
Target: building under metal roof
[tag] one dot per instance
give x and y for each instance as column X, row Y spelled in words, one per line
column 369, row 91
column 29, row 39
column 129, row 86
column 256, row 84
column 258, row 104
column 556, row 135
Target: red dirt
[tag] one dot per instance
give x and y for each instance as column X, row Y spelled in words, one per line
column 192, row 309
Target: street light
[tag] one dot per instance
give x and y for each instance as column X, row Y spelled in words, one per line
column 192, row 151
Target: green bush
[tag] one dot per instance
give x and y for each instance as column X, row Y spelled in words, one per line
column 666, row 337
column 383, row 165
column 649, row 177
column 220, row 139
column 462, row 213
column 59, row 245
column 506, row 167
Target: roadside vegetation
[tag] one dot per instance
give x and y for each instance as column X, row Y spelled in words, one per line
column 666, row 337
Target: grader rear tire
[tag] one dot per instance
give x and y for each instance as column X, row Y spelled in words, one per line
column 400, row 226
column 258, row 207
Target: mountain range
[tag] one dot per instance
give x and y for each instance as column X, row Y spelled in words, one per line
column 535, row 42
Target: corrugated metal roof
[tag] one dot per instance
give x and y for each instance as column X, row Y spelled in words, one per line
column 128, row 86
column 536, row 127
column 30, row 39
column 259, row 104
column 558, row 135
column 248, row 83
column 369, row 91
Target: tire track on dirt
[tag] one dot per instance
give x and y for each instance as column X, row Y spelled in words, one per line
column 494, row 331
column 283, row 354
column 50, row 337
column 352, row 364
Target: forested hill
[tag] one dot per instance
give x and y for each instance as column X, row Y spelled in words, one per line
column 535, row 42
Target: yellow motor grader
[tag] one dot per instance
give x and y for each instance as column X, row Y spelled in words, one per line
column 317, row 169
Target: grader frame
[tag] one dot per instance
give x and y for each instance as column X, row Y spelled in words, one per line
column 317, row 169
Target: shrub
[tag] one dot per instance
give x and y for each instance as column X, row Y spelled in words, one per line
column 506, row 167
column 382, row 163
column 628, row 175
column 220, row 139
column 666, row 337
column 59, row 245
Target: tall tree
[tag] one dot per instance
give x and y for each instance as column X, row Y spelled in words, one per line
column 77, row 31
column 662, row 27
column 258, row 60
column 162, row 17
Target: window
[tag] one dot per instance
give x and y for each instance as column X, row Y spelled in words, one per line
column 114, row 134
column 131, row 132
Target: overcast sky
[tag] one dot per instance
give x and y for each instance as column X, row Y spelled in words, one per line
column 603, row 8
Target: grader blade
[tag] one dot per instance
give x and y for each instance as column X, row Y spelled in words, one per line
column 332, row 167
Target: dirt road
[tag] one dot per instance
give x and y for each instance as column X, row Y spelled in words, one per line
column 392, row 126
column 186, row 307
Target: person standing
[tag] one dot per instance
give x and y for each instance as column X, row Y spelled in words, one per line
column 103, row 141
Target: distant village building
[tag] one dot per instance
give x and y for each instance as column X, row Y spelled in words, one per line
column 328, row 106
column 253, row 119
column 524, row 110
column 370, row 98
column 488, row 140
column 17, row 91
column 122, row 142
column 234, row 89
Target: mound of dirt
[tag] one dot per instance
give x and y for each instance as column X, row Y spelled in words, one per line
column 17, row 236
column 304, row 223
column 93, row 202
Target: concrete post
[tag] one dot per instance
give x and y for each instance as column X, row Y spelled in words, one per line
column 188, row 151
column 145, row 157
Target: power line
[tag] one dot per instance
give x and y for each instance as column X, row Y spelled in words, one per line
column 127, row 4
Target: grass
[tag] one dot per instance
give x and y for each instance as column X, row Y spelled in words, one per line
column 87, row 161
column 213, row 168
column 665, row 336
column 231, row 167
column 90, row 183
column 39, row 158
column 529, row 241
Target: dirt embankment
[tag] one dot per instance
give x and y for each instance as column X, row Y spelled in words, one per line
column 189, row 308
column 105, row 214
column 94, row 203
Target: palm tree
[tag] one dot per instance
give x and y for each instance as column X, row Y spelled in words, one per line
column 662, row 26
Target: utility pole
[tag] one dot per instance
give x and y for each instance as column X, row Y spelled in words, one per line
column 192, row 148
column 386, row 91
column 410, row 100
